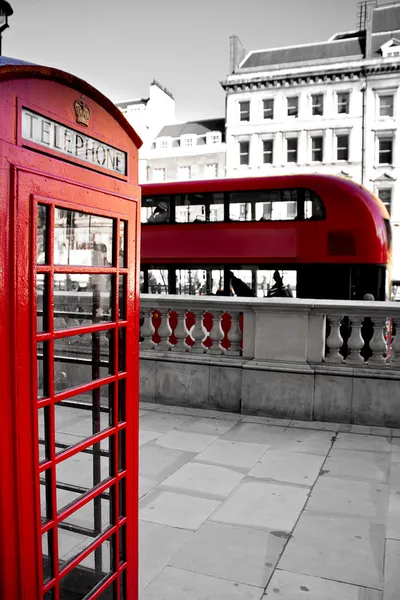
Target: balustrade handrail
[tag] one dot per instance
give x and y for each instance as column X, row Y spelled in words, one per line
column 277, row 329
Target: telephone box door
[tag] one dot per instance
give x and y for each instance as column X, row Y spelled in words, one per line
column 76, row 342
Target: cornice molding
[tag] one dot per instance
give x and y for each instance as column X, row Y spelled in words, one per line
column 342, row 75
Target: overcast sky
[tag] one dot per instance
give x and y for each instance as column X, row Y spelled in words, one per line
column 119, row 46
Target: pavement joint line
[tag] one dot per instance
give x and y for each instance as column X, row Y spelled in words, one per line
column 333, row 439
column 355, row 585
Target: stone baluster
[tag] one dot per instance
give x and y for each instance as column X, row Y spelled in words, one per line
column 198, row 333
column 164, row 331
column 234, row 335
column 378, row 343
column 355, row 342
column 216, row 333
column 180, row 331
column 147, row 331
column 334, row 341
column 395, row 352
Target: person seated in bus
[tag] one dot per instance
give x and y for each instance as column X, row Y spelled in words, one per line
column 278, row 289
column 240, row 287
column 160, row 214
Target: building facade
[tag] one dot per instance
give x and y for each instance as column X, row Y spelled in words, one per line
column 330, row 107
column 148, row 116
column 192, row 150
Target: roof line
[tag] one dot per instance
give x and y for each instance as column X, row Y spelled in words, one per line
column 384, row 6
column 392, row 31
column 302, row 45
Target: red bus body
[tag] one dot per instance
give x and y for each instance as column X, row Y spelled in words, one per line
column 354, row 233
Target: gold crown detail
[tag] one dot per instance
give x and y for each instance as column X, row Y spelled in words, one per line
column 82, row 112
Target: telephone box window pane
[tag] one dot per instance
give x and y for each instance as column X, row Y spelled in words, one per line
column 47, row 556
column 82, row 528
column 82, row 416
column 41, row 240
column 122, row 498
column 82, row 239
column 122, row 545
column 122, row 243
column 42, row 369
column 49, row 595
column 110, row 593
column 122, row 349
column 121, row 450
column 43, row 433
column 81, row 300
column 92, row 571
column 41, row 302
column 121, row 400
column 80, row 473
column 122, row 298
column 123, row 585
column 45, row 496
column 80, row 359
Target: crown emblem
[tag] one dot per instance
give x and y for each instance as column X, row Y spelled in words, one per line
column 82, row 112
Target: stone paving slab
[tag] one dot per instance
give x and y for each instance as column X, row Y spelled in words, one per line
column 236, row 507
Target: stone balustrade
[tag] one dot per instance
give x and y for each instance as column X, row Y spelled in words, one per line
column 307, row 359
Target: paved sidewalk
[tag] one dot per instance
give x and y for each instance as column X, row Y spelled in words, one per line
column 244, row 508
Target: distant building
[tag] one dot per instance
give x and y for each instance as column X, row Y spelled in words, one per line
column 330, row 107
column 148, row 116
column 193, row 150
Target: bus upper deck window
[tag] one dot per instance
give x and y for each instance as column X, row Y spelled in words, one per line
column 155, row 210
column 276, row 205
column 240, row 204
column 313, row 206
column 216, row 206
column 190, row 208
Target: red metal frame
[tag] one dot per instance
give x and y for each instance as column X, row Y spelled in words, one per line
column 349, row 208
column 30, row 178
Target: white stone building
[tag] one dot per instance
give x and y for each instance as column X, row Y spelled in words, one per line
column 330, row 107
column 191, row 150
column 148, row 116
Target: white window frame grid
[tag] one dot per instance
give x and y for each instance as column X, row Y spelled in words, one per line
column 297, row 98
column 264, row 110
column 383, row 94
column 188, row 141
column 271, row 141
column 240, row 153
column 382, row 137
column 339, row 134
column 322, row 96
column 184, row 169
column 290, row 138
column 208, row 167
column 162, row 144
column 240, row 111
column 157, row 171
column 214, row 138
column 317, row 136
column 342, row 93
column 386, row 188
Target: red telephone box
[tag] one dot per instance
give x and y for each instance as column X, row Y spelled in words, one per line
column 69, row 243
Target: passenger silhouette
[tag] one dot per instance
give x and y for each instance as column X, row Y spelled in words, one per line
column 240, row 287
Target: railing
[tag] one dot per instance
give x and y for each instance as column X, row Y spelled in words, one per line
column 278, row 330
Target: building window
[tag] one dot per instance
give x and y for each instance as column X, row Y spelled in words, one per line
column 244, row 153
column 183, row 173
column 342, row 147
column 317, row 149
column 268, row 151
column 163, row 144
column 215, row 138
column 293, row 106
column 386, row 196
column 385, row 151
column 268, row 109
column 148, row 173
column 244, row 111
column 386, row 104
column 187, row 141
column 158, row 174
column 343, row 103
column 317, row 101
column 292, row 144
column 210, row 171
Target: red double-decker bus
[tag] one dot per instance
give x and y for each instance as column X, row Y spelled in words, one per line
column 314, row 236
